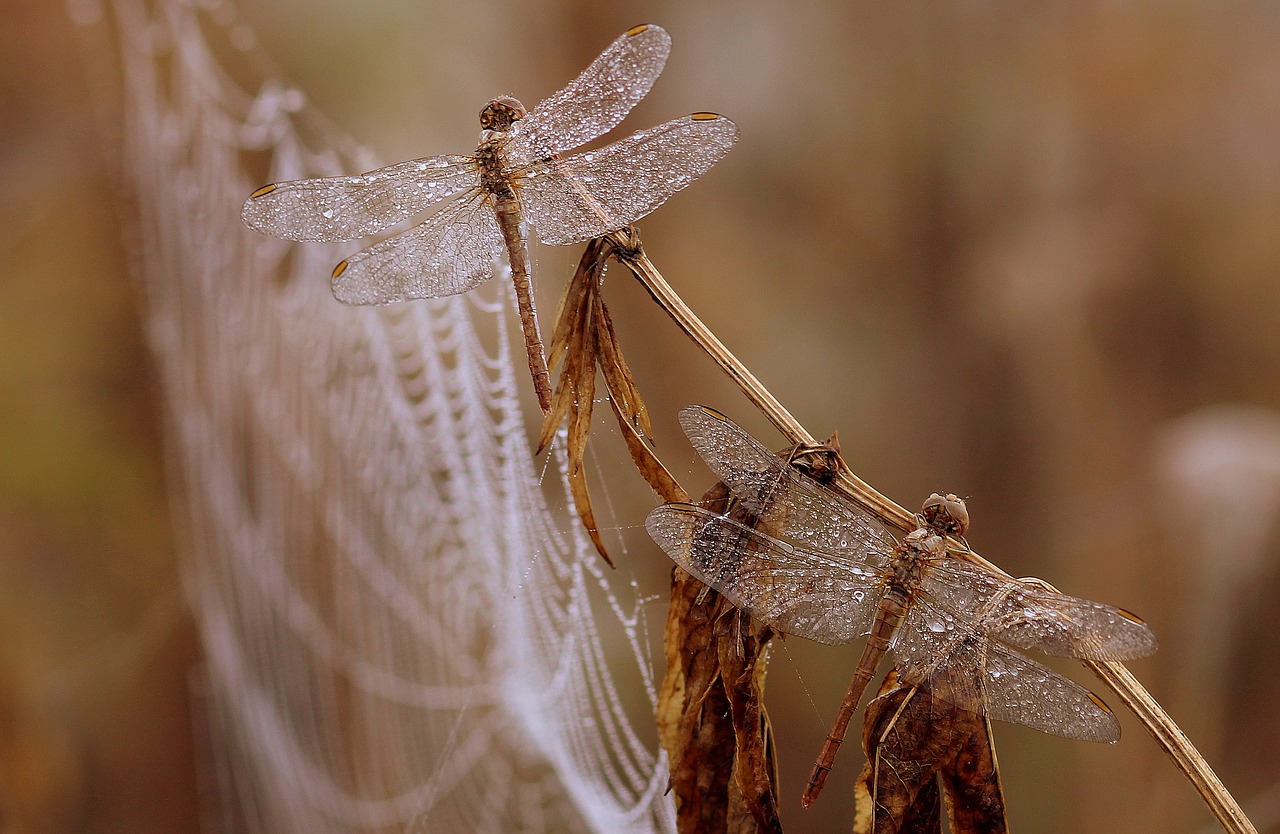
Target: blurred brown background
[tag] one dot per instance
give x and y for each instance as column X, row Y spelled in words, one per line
column 1010, row 252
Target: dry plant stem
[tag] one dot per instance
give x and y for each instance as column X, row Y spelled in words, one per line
column 1151, row 714
column 1167, row 734
column 632, row 254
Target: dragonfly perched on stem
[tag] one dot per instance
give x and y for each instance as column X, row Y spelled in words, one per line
column 814, row 565
column 517, row 177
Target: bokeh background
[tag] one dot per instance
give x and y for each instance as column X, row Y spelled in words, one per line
column 1028, row 254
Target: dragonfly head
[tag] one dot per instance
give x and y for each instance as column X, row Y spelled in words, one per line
column 947, row 514
column 820, row 461
column 501, row 113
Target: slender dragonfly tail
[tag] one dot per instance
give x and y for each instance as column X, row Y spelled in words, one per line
column 532, row 339
column 827, row 758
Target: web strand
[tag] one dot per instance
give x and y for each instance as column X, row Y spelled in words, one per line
column 399, row 633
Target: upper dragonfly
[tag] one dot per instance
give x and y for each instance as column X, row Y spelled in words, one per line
column 517, row 174
column 839, row 575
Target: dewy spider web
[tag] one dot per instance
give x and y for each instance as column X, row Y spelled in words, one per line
column 399, row 633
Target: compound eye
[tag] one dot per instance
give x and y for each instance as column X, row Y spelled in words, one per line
column 959, row 513
column 501, row 113
column 947, row 514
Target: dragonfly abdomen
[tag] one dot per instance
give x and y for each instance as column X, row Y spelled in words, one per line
column 494, row 179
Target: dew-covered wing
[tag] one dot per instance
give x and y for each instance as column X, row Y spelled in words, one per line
column 1028, row 616
column 787, row 501
column 594, row 102
column 453, row 251
column 971, row 671
column 347, row 208
column 815, row 595
column 586, row 195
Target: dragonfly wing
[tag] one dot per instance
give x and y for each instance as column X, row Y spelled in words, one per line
column 1021, row 691
column 347, row 208
column 970, row 671
column 452, row 251
column 1028, row 616
column 932, row 647
column 787, row 501
column 594, row 102
column 796, row 590
column 586, row 195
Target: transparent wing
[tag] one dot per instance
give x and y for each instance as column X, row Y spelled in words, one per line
column 1021, row 691
column 586, row 195
column 787, row 502
column 452, row 251
column 968, row 670
column 1027, row 616
column 347, row 208
column 594, row 102
column 815, row 595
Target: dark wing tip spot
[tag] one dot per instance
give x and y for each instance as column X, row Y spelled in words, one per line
column 340, row 268
column 635, row 30
column 263, row 191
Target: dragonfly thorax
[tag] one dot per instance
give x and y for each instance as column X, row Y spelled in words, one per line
column 922, row 542
column 502, row 112
column 908, row 561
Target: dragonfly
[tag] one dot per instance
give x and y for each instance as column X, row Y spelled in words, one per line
column 517, row 177
column 812, row 564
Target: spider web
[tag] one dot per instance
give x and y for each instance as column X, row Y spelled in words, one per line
column 402, row 629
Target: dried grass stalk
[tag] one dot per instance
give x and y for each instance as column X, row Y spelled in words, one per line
column 1153, row 717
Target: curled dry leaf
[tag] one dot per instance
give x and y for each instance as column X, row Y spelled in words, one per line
column 711, row 716
column 917, row 738
column 583, row 342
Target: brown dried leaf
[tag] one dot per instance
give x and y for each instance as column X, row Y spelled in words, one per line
column 585, row 339
column 916, row 736
column 579, row 431
column 711, row 716
column 572, row 333
column 701, row 762
column 742, row 672
column 658, row 477
column 671, row 696
column 617, row 374
column 569, row 312
column 584, row 391
column 561, row 399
